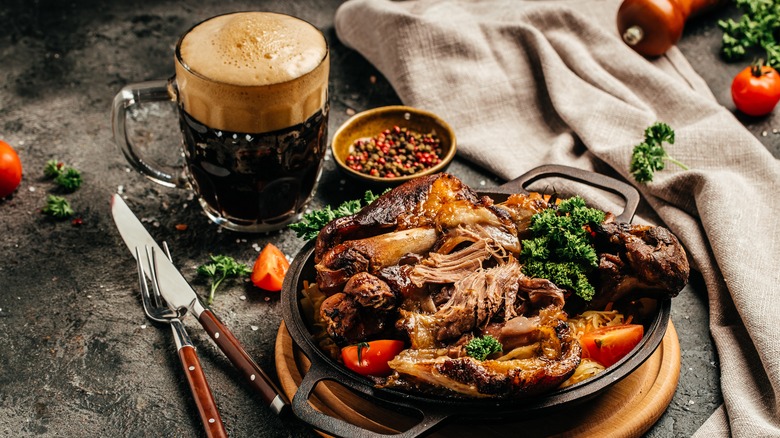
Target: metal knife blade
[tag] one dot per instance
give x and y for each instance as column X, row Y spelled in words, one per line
column 179, row 294
column 173, row 286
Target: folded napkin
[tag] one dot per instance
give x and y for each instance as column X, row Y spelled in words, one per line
column 529, row 83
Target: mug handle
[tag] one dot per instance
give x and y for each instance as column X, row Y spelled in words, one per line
column 129, row 96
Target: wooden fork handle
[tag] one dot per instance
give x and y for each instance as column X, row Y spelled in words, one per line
column 255, row 377
column 204, row 399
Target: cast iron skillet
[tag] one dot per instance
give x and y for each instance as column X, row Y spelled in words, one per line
column 434, row 410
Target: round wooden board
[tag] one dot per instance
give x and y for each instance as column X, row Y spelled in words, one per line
column 627, row 409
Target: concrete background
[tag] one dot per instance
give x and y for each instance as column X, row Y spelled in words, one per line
column 77, row 355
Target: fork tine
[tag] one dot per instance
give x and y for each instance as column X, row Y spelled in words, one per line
column 145, row 297
column 167, row 251
column 158, row 301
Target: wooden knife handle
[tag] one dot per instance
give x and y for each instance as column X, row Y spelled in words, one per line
column 255, row 377
column 207, row 407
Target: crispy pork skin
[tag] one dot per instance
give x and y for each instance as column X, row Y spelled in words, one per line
column 371, row 254
column 408, row 205
column 482, row 217
column 520, row 207
column 551, row 357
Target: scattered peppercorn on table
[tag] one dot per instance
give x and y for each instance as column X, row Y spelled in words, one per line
column 79, row 356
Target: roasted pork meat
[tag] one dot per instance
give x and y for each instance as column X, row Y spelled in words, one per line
column 436, row 265
column 407, row 206
column 371, row 254
column 544, row 361
column 638, row 260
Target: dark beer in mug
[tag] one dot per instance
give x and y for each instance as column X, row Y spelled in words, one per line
column 252, row 179
column 252, row 90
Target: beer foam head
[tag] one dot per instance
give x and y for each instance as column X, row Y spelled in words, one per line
column 252, row 72
column 253, row 48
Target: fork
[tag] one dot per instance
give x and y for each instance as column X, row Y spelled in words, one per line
column 157, row 310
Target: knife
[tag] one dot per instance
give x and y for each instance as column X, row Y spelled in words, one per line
column 180, row 295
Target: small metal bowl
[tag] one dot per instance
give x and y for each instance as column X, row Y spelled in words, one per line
column 372, row 122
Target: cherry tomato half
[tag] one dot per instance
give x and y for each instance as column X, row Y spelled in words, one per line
column 756, row 90
column 370, row 358
column 608, row 345
column 269, row 269
column 10, row 169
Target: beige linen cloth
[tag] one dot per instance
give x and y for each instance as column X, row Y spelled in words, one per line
column 529, row 83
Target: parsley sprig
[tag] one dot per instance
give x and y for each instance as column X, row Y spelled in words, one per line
column 220, row 268
column 482, row 347
column 58, row 207
column 70, row 180
column 311, row 223
column 756, row 29
column 64, row 176
column 53, row 168
column 561, row 249
column 649, row 155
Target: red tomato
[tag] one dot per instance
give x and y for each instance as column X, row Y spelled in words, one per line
column 269, row 269
column 756, row 90
column 608, row 345
column 370, row 358
column 10, row 169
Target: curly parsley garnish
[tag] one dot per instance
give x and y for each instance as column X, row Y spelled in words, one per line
column 482, row 347
column 561, row 249
column 70, row 180
column 649, row 155
column 66, row 177
column 221, row 267
column 58, row 207
column 757, row 28
column 311, row 224
column 53, row 168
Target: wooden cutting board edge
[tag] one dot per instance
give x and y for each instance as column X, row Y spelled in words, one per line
column 625, row 410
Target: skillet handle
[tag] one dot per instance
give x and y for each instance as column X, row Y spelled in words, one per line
column 629, row 194
column 337, row 427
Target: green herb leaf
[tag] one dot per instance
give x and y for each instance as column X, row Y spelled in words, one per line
column 64, row 176
column 658, row 133
column 349, row 208
column 311, row 223
column 58, row 207
column 218, row 269
column 70, row 179
column 482, row 347
column 755, row 30
column 568, row 275
column 561, row 248
column 53, row 168
column 369, row 197
column 648, row 156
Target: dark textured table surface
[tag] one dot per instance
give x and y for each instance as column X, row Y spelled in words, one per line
column 77, row 355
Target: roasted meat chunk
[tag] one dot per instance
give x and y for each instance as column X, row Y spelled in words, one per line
column 410, row 205
column 476, row 299
column 371, row 254
column 369, row 291
column 637, row 261
column 550, row 358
